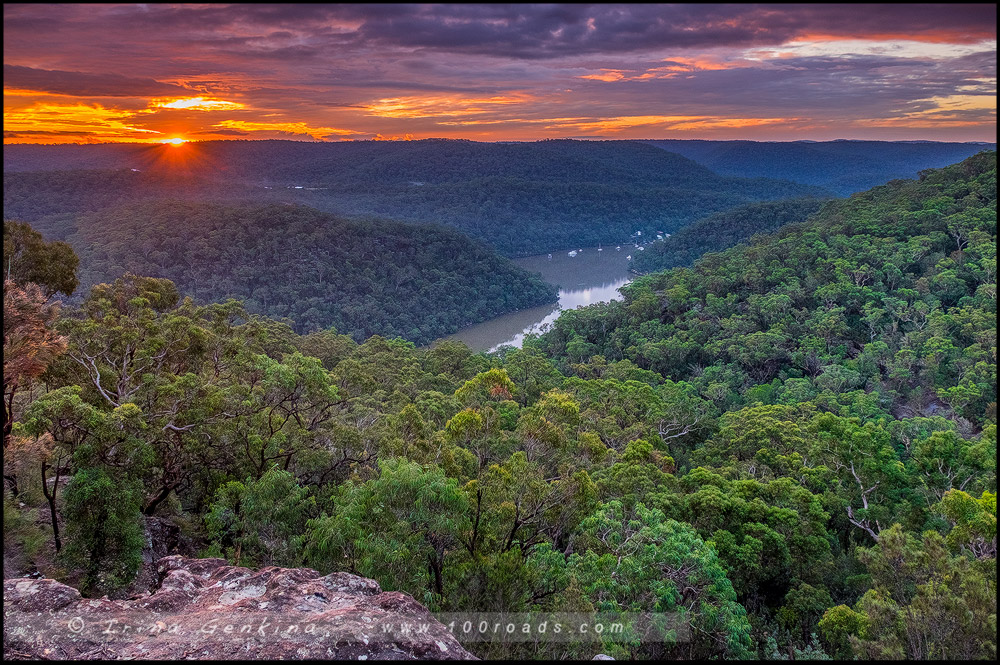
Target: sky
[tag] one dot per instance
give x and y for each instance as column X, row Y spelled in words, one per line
column 87, row 73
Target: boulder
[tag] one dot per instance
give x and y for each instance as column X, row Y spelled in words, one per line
column 205, row 608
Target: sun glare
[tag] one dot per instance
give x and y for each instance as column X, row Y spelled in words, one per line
column 175, row 141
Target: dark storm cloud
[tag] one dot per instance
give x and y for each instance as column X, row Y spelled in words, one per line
column 522, row 31
column 81, row 84
column 540, row 31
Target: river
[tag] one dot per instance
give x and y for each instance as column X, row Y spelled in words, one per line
column 585, row 279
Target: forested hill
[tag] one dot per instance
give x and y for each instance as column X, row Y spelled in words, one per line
column 400, row 280
column 52, row 201
column 521, row 198
column 891, row 293
column 721, row 231
column 843, row 167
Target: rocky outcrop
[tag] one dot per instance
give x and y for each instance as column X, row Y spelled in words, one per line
column 205, row 608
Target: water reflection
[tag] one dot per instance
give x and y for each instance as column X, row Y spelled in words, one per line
column 588, row 278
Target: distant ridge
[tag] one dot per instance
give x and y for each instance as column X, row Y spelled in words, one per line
column 521, row 198
column 843, row 166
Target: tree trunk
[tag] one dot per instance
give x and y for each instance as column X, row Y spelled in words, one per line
column 51, row 498
column 435, row 566
column 160, row 497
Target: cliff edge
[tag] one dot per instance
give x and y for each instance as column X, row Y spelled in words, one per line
column 207, row 609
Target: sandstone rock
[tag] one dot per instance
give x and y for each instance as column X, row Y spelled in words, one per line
column 205, row 608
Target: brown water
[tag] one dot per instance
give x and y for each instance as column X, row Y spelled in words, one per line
column 588, row 278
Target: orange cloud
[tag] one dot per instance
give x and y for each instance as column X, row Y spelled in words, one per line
column 318, row 133
column 736, row 123
column 671, row 122
column 429, row 107
column 944, row 36
column 196, row 104
column 404, row 137
column 701, row 64
column 608, row 76
column 462, row 123
column 676, row 66
column 951, row 111
column 91, row 122
column 20, row 92
column 624, row 122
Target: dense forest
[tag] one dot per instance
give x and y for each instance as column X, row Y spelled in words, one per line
column 890, row 291
column 418, row 282
column 520, row 198
column 721, row 231
column 842, row 167
column 791, row 445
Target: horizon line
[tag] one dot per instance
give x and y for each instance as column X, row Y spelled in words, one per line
column 560, row 138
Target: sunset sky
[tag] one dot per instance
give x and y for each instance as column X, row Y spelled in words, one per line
column 151, row 72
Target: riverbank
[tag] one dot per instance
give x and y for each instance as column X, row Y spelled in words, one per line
column 589, row 276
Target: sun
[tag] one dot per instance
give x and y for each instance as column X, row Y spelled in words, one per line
column 175, row 141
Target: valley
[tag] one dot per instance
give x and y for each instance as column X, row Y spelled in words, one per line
column 594, row 275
